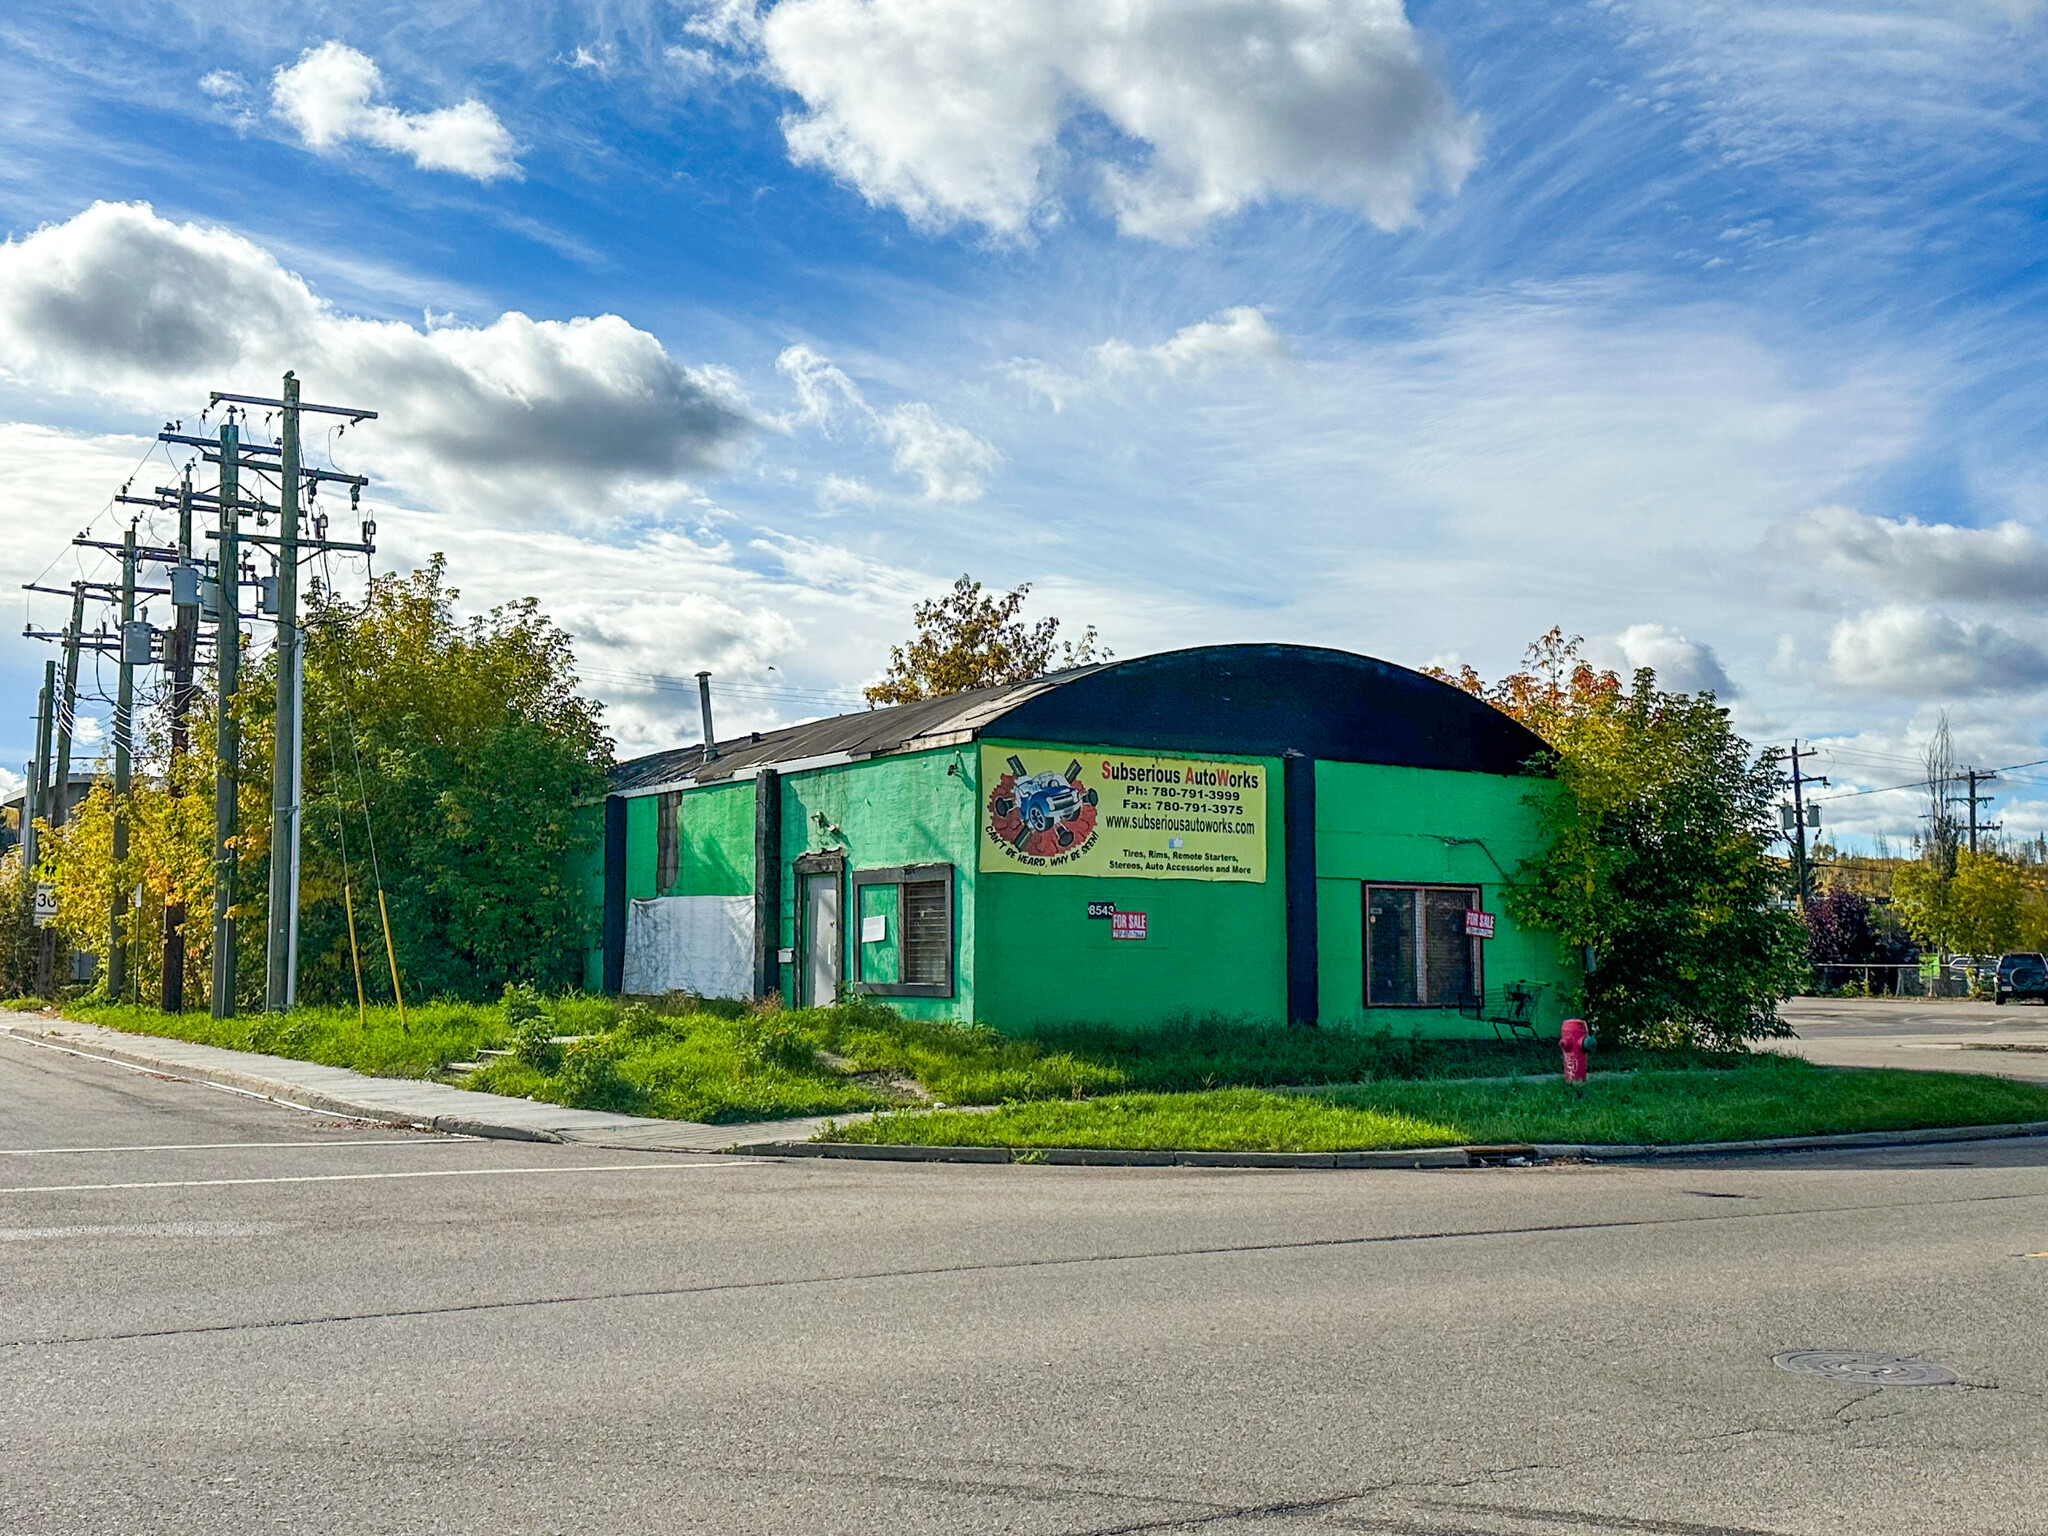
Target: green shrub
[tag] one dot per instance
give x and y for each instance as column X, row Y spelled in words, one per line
column 776, row 1040
column 533, row 1043
column 522, row 1005
column 590, row 1077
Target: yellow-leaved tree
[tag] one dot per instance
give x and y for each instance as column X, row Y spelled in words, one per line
column 170, row 859
column 1988, row 906
column 967, row 639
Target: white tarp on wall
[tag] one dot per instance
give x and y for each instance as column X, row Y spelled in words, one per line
column 698, row 944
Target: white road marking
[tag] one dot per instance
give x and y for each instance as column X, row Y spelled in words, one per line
column 229, row 1146
column 347, row 1178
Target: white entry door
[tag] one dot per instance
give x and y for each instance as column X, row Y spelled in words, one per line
column 823, row 944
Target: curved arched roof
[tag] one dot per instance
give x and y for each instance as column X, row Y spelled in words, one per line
column 1249, row 699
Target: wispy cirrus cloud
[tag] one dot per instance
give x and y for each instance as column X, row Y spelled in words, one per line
column 949, row 462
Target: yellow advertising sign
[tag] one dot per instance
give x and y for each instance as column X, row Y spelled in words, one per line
column 1056, row 811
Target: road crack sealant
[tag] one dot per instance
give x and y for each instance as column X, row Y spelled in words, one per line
column 858, row 1277
column 1829, row 1424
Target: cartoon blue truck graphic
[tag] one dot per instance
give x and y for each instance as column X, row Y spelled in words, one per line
column 1049, row 799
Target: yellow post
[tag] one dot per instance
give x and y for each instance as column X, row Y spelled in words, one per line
column 391, row 954
column 355, row 955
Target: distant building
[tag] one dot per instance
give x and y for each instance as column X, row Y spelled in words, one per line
column 1258, row 831
column 11, row 810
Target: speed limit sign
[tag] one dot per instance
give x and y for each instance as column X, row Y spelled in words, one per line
column 46, row 904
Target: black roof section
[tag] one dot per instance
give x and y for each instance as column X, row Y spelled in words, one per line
column 1248, row 699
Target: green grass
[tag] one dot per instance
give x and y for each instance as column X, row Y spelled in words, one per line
column 1190, row 1083
column 438, row 1034
column 715, row 1061
column 709, row 1062
column 972, row 1064
column 1768, row 1096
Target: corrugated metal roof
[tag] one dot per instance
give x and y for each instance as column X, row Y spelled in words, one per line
column 866, row 733
column 1256, row 700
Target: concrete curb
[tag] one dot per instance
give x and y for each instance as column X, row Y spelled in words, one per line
column 1108, row 1157
column 1419, row 1157
column 609, row 1132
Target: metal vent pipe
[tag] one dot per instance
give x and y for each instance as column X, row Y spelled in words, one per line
column 704, row 703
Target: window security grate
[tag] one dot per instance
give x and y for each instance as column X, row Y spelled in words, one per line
column 927, row 940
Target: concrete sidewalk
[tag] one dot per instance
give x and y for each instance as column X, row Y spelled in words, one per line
column 339, row 1091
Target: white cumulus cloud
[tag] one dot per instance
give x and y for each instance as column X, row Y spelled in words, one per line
column 534, row 417
column 329, row 97
column 1905, row 558
column 1681, row 665
column 1241, row 334
column 968, row 110
column 1921, row 653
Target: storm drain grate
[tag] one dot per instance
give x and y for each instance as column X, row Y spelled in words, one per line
column 1865, row 1368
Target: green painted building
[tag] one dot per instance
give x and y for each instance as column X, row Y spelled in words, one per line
column 1268, row 832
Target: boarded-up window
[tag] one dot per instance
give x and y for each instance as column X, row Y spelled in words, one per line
column 906, row 938
column 1417, row 954
column 668, row 843
column 927, row 909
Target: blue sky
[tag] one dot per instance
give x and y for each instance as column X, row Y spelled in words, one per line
column 1709, row 331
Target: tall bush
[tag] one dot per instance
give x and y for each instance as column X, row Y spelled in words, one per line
column 1658, row 860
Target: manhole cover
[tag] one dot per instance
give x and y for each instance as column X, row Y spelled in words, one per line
column 1865, row 1368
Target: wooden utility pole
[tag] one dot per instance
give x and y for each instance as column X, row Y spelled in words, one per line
column 1802, row 871
column 35, row 805
column 181, row 645
column 227, row 751
column 1975, row 777
column 35, row 795
column 67, row 716
column 124, row 741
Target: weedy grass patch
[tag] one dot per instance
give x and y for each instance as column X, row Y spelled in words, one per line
column 434, row 1033
column 1765, row 1096
column 693, row 1059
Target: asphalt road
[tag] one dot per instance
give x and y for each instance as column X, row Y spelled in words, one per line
column 218, row 1315
column 1921, row 1034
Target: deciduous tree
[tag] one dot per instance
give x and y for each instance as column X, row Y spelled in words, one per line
column 968, row 639
column 1658, row 860
column 453, row 760
column 1978, row 910
column 457, row 760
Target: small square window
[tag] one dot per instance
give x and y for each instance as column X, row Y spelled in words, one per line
column 1417, row 953
column 909, row 951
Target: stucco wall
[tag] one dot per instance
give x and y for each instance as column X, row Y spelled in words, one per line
column 1426, row 826
column 1211, row 947
column 715, row 827
column 883, row 813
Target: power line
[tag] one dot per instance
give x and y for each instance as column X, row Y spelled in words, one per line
column 770, row 691
column 1919, row 783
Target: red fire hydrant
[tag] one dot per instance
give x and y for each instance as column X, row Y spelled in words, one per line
column 1572, row 1040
